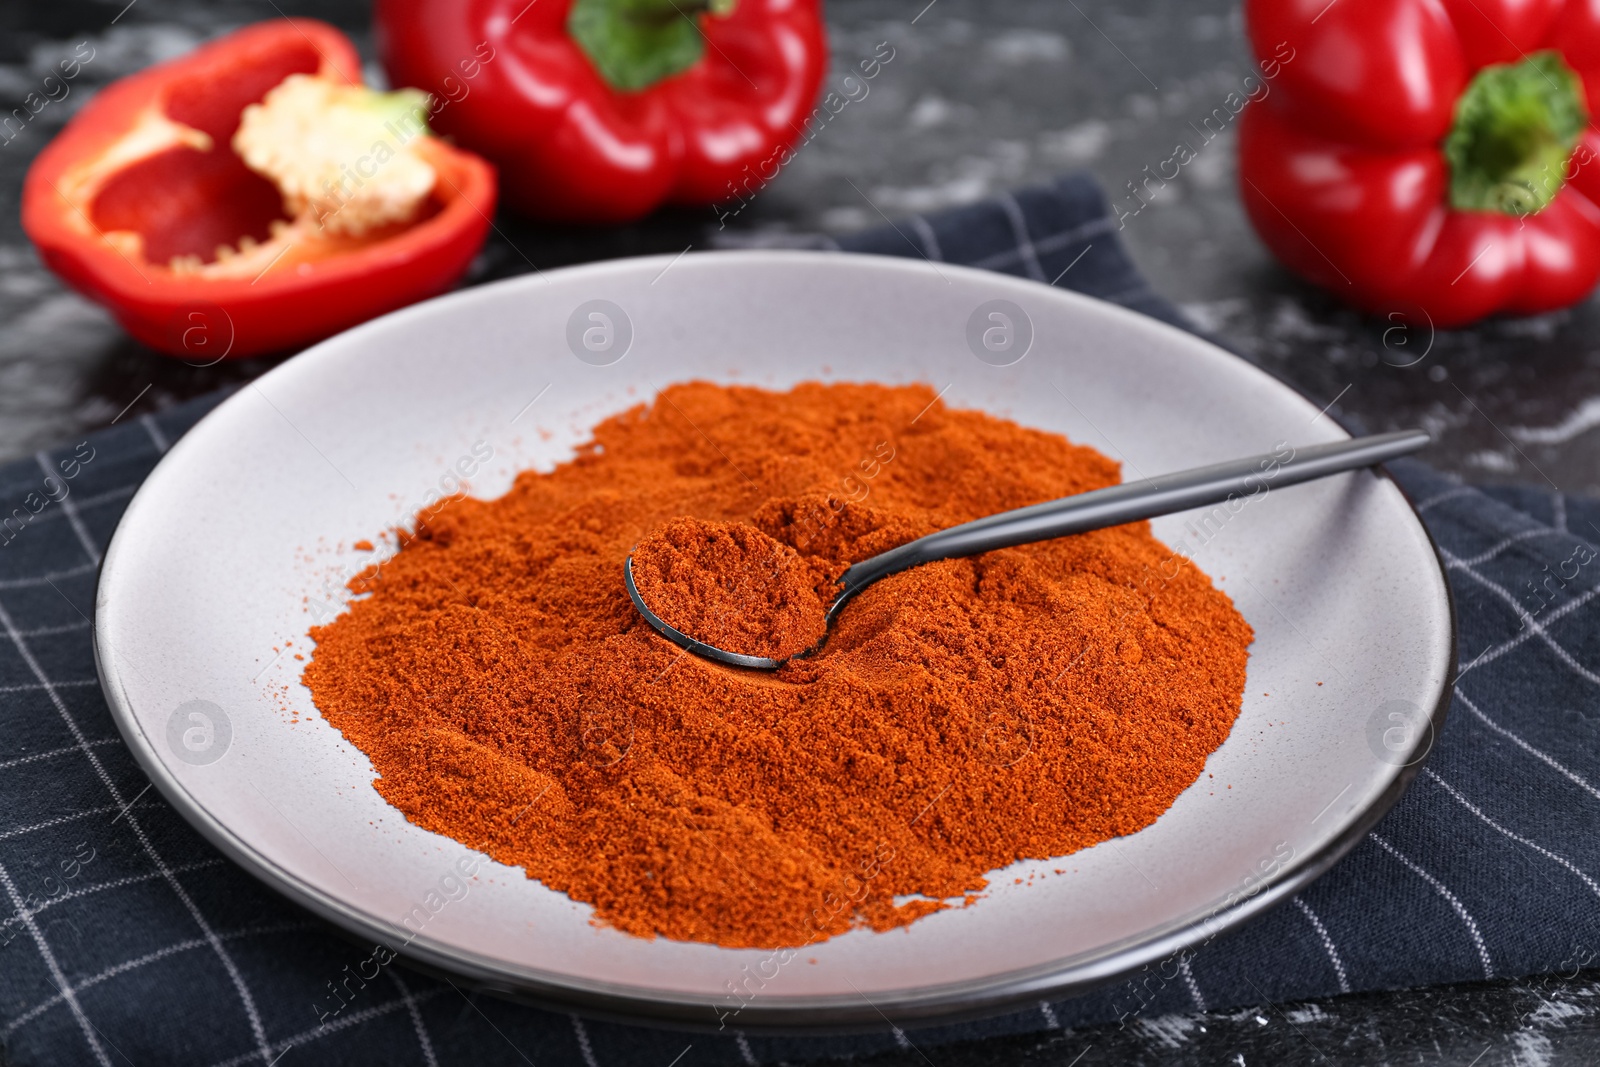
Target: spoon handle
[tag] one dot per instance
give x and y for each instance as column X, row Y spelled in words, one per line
column 1243, row 479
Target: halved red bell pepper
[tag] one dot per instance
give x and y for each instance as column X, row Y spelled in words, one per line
column 1429, row 158
column 602, row 110
column 145, row 204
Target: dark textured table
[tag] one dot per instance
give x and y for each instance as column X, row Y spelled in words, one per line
column 981, row 95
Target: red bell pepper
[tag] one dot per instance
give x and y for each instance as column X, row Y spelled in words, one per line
column 253, row 196
column 1429, row 158
column 602, row 110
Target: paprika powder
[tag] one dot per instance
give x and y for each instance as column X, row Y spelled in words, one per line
column 962, row 716
column 733, row 587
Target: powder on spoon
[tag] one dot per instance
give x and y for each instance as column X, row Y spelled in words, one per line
column 963, row 715
column 728, row 585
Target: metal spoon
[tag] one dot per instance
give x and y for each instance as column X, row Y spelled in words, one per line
column 1094, row 510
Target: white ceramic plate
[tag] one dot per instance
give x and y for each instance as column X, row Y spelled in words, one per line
column 230, row 548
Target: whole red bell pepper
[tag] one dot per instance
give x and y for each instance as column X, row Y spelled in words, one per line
column 1429, row 158
column 602, row 110
column 253, row 196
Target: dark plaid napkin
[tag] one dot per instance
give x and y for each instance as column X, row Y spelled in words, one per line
column 126, row 939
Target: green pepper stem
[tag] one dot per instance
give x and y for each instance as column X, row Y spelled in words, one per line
column 635, row 43
column 1514, row 131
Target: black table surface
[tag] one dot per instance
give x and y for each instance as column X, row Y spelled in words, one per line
column 981, row 96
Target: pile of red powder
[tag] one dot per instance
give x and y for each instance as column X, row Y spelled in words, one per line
column 962, row 715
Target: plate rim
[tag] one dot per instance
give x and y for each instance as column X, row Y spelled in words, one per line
column 929, row 1004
